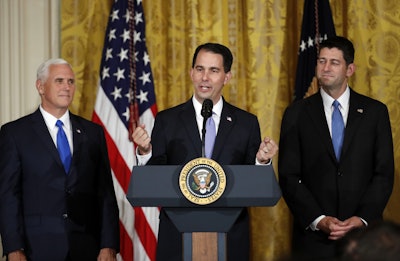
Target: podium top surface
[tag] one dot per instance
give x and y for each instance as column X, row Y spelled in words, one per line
column 246, row 186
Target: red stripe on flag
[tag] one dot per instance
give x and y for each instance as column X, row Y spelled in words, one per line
column 154, row 109
column 126, row 246
column 117, row 163
column 146, row 235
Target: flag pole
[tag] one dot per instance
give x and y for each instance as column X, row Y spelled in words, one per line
column 133, row 106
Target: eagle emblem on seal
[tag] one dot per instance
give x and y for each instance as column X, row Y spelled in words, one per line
column 202, row 181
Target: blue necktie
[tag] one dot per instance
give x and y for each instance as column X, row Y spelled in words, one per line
column 63, row 146
column 337, row 129
column 210, row 137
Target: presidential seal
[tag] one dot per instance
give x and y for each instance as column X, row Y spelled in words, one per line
column 202, row 181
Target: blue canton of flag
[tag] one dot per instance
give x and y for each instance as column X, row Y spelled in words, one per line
column 117, row 71
column 316, row 26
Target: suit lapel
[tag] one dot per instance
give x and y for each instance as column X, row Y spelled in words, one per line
column 40, row 127
column 78, row 137
column 188, row 120
column 77, row 132
column 227, row 121
column 315, row 109
column 356, row 110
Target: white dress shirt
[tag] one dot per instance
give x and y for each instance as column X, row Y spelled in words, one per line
column 50, row 121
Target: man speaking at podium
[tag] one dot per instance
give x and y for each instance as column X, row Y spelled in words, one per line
column 177, row 139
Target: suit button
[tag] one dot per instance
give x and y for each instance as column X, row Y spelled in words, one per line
column 339, row 174
column 65, row 215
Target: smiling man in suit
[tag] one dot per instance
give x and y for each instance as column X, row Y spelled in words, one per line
column 176, row 139
column 336, row 164
column 56, row 206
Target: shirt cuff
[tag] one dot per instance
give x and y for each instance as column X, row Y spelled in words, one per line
column 143, row 159
column 365, row 222
column 268, row 163
column 313, row 225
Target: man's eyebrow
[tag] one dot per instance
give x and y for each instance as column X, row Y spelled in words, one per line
column 211, row 68
column 328, row 59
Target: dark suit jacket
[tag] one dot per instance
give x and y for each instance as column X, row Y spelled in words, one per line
column 44, row 211
column 176, row 141
column 314, row 183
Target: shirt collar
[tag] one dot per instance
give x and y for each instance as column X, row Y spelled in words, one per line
column 51, row 120
column 217, row 108
column 343, row 99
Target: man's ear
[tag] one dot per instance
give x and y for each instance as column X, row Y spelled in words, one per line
column 39, row 87
column 228, row 76
column 351, row 68
column 191, row 73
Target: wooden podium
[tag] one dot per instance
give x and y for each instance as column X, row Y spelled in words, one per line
column 246, row 186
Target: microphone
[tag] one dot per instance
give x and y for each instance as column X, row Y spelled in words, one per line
column 206, row 112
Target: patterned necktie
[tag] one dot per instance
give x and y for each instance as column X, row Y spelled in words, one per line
column 210, row 137
column 63, row 146
column 337, row 129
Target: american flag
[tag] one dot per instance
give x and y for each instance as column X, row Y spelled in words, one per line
column 317, row 25
column 125, row 97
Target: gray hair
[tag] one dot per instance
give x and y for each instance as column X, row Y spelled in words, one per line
column 43, row 70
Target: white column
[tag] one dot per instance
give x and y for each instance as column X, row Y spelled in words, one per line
column 29, row 34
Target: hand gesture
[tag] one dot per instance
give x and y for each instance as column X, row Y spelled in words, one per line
column 336, row 229
column 267, row 150
column 142, row 139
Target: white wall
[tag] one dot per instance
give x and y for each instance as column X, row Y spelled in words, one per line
column 29, row 35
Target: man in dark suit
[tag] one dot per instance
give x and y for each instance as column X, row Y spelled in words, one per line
column 176, row 139
column 51, row 211
column 330, row 194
